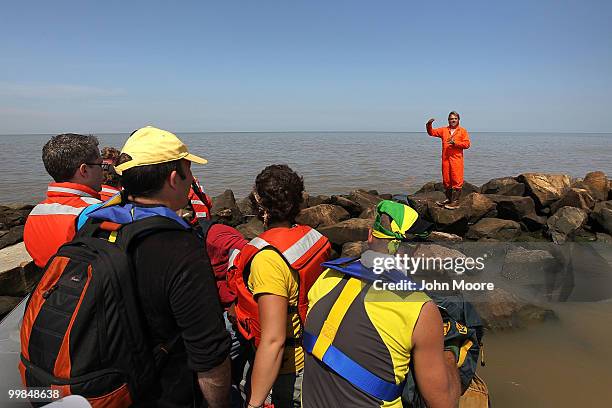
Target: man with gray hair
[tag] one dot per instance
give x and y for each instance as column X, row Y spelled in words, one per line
column 74, row 163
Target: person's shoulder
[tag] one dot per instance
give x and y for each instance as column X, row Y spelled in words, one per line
column 225, row 232
column 268, row 256
column 173, row 240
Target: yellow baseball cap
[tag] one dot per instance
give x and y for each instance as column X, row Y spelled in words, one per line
column 150, row 145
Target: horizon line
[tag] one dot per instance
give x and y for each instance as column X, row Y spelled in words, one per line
column 314, row 131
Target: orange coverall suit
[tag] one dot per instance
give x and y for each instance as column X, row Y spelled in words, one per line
column 452, row 155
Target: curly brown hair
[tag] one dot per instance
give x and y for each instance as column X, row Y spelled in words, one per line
column 280, row 192
column 111, row 155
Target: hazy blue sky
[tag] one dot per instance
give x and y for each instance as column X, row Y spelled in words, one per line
column 304, row 65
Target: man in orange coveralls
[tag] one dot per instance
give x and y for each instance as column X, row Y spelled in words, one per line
column 454, row 140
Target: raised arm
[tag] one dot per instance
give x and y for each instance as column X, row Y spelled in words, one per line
column 435, row 370
column 430, row 130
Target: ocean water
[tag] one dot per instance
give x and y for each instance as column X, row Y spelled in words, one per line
column 335, row 162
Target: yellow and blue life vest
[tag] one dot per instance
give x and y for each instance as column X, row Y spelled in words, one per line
column 344, row 305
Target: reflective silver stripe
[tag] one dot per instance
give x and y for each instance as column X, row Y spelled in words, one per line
column 55, row 209
column 90, row 200
column 232, row 257
column 297, row 250
column 197, row 202
column 201, row 214
column 68, row 190
column 259, row 243
column 109, row 190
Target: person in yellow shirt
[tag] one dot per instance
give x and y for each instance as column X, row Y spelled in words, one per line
column 279, row 267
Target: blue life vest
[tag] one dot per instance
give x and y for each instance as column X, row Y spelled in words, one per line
column 124, row 213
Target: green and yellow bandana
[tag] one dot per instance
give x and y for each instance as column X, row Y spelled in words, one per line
column 402, row 217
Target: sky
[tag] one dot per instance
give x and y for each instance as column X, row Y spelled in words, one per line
column 114, row 66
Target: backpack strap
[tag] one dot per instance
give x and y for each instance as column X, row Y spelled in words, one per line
column 205, row 227
column 322, row 349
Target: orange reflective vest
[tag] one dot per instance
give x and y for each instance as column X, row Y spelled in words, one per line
column 52, row 223
column 200, row 202
column 108, row 191
column 302, row 247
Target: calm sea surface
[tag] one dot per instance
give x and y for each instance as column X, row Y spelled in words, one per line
column 335, row 162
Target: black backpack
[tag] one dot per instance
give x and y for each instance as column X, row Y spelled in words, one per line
column 83, row 331
column 461, row 324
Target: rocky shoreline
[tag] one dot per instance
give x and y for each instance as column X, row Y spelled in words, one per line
column 527, row 209
column 530, row 207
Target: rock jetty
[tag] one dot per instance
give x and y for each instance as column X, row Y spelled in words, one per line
column 530, row 207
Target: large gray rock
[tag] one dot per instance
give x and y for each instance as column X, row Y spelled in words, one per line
column 421, row 201
column 352, row 207
column 584, row 235
column 225, row 209
column 438, row 186
column 503, row 186
column 20, row 206
column 478, row 206
column 602, row 215
column 470, row 188
column 451, row 221
column 597, row 184
column 14, row 215
column 318, row 199
column 533, row 222
column 500, row 310
column 353, row 249
column 513, row 207
column 354, row 229
column 574, row 197
column 305, row 198
column 435, row 260
column 438, row 236
column 545, row 188
column 528, row 267
column 251, row 229
column 564, row 222
column 13, row 236
column 494, row 228
column 429, row 187
column 369, row 213
column 364, row 199
column 245, row 206
column 322, row 215
column 18, row 274
column 603, row 237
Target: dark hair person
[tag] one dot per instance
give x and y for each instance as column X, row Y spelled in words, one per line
column 173, row 276
column 74, row 163
column 111, row 184
column 273, row 274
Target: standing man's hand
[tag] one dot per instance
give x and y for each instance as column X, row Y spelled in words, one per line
column 428, row 127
